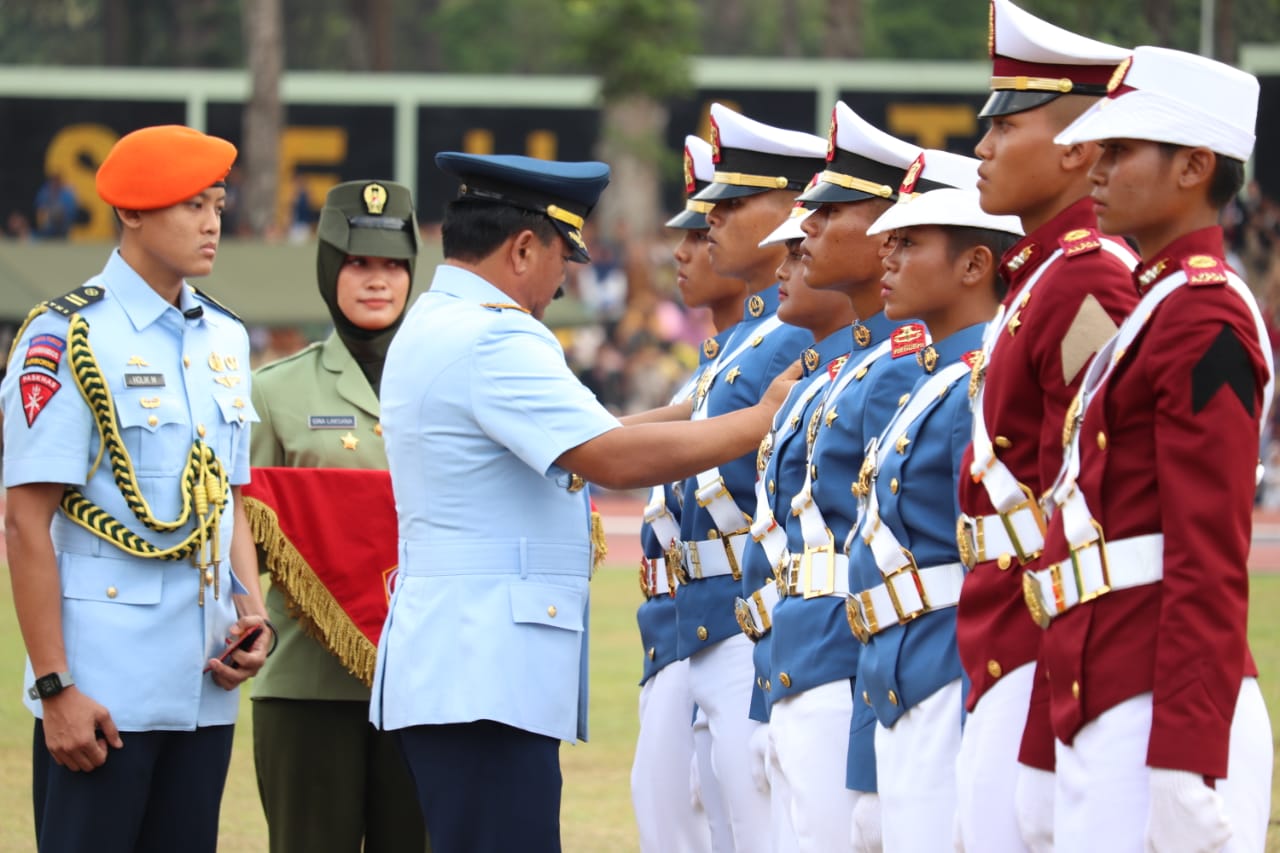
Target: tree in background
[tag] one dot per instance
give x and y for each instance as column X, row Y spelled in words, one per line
column 263, row 113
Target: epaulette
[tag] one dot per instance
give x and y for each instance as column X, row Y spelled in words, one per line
column 907, row 339
column 291, row 357
column 216, row 304
column 1205, row 269
column 504, row 306
column 69, row 303
column 1080, row 241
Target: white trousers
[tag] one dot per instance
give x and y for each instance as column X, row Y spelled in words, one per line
column 916, row 774
column 664, row 810
column 1103, row 782
column 708, row 789
column 809, row 735
column 987, row 766
column 720, row 680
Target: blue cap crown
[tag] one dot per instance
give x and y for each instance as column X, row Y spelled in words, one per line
column 564, row 192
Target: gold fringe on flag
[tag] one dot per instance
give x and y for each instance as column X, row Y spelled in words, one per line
column 319, row 613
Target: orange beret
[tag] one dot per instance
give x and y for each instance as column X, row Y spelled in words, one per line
column 160, row 166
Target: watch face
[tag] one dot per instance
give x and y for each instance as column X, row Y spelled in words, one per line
column 48, row 685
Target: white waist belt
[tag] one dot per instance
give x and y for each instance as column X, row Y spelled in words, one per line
column 755, row 613
column 1001, row 536
column 709, row 558
column 816, row 573
column 906, row 594
column 1094, row 569
column 655, row 577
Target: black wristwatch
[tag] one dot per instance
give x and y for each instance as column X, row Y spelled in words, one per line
column 48, row 686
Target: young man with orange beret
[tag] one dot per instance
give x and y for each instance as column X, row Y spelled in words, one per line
column 126, row 437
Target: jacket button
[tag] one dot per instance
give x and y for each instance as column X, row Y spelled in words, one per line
column 1102, row 440
column 377, row 429
column 893, row 485
column 653, row 652
column 767, row 686
column 893, row 697
column 186, row 361
column 152, row 421
column 784, row 679
column 1004, row 561
column 702, row 632
column 551, row 611
column 760, row 682
column 993, row 668
column 200, row 430
column 112, row 592
column 1075, row 690
column 866, row 697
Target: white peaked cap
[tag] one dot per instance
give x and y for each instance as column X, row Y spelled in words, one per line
column 862, row 160
column 697, row 174
column 935, row 169
column 947, row 206
column 737, row 131
column 752, row 157
column 698, row 152
column 1163, row 95
column 1017, row 34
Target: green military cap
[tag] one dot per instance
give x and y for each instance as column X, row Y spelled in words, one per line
column 371, row 218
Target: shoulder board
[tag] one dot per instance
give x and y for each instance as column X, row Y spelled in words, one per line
column 505, row 306
column 1080, row 241
column 1204, row 269
column 308, row 349
column 69, row 303
column 216, row 304
column 908, row 339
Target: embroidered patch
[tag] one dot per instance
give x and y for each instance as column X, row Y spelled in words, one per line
column 44, row 351
column 972, row 358
column 331, row 421
column 1080, row 241
column 1225, row 362
column 1205, row 269
column 37, row 391
column 144, row 380
column 908, row 339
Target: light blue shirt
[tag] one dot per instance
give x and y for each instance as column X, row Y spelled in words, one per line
column 136, row 639
column 489, row 617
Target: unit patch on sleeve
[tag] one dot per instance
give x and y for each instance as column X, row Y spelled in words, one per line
column 37, row 390
column 44, row 351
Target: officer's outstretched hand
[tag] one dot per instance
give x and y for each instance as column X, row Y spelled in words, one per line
column 242, row 663
column 77, row 730
column 1186, row 815
column 780, row 387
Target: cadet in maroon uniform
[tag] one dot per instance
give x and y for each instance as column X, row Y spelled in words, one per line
column 1068, row 288
column 1143, row 586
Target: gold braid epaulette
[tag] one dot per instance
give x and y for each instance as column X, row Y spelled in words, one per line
column 204, row 485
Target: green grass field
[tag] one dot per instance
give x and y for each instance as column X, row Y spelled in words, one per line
column 596, row 814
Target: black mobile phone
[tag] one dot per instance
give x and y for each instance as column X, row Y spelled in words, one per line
column 245, row 642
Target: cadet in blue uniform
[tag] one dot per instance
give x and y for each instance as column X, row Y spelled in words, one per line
column 759, row 170
column 665, row 747
column 781, row 464
column 126, row 433
column 904, row 566
column 482, row 661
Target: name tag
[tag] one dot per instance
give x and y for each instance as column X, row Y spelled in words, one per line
column 331, row 421
column 144, row 380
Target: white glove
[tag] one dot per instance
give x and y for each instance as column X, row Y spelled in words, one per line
column 1186, row 815
column 1033, row 807
column 867, row 837
column 758, row 758
column 695, row 783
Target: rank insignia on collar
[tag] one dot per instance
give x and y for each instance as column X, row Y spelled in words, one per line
column 1150, row 275
column 710, row 347
column 810, row 359
column 1204, row 269
column 908, row 340
column 927, row 358
column 755, row 305
column 861, row 334
column 1017, row 261
column 734, row 373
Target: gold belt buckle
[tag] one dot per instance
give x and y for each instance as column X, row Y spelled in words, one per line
column 965, row 543
column 827, row 549
column 742, row 610
column 675, row 564
column 646, row 572
column 857, row 623
column 1101, row 544
column 910, row 566
column 1037, row 513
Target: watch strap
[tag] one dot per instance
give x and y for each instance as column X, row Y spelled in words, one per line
column 64, row 680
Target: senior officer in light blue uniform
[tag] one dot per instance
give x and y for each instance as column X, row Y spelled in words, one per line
column 666, row 813
column 123, row 603
column 759, row 169
column 482, row 661
column 905, row 571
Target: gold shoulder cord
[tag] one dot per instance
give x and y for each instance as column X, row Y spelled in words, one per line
column 203, row 481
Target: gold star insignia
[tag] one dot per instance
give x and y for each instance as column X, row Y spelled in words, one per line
column 349, row 441
column 1014, row 322
column 831, row 417
column 734, row 373
column 901, row 444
